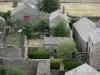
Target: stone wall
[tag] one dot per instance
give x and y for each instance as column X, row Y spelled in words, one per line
column 10, row 53
column 81, row 1
column 31, row 66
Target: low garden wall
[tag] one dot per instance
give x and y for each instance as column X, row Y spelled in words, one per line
column 31, row 66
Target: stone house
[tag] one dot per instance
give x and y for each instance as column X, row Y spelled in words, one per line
column 84, row 69
column 94, row 48
column 27, row 11
column 51, row 43
column 81, row 30
column 56, row 17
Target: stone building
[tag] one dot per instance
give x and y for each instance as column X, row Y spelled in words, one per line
column 94, row 49
column 56, row 17
column 27, row 11
column 50, row 43
column 81, row 30
column 84, row 69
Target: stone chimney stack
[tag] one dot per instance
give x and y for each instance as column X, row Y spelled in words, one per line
column 98, row 24
column 63, row 10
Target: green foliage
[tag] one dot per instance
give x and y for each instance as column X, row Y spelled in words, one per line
column 66, row 49
column 2, row 14
column 29, row 28
column 33, row 27
column 7, row 17
column 49, row 5
column 41, row 25
column 55, row 64
column 15, row 4
column 7, row 70
column 61, row 30
column 71, row 65
column 38, row 55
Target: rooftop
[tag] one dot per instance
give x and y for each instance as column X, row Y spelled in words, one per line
column 84, row 26
column 84, row 69
column 56, row 40
column 95, row 35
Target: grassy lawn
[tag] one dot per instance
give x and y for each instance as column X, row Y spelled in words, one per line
column 5, row 6
column 82, row 9
column 35, row 43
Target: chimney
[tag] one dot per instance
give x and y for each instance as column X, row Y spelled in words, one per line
column 63, row 10
column 98, row 24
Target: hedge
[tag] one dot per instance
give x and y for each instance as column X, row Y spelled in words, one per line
column 71, row 65
column 55, row 65
column 38, row 55
column 8, row 70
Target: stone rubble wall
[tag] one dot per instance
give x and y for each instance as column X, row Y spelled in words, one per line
column 10, row 53
column 30, row 65
column 46, row 70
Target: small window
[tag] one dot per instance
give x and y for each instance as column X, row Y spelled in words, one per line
column 26, row 18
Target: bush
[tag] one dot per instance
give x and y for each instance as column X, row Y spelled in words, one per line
column 7, row 70
column 55, row 65
column 70, row 65
column 38, row 55
column 15, row 4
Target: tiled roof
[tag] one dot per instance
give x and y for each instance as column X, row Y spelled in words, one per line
column 84, row 26
column 56, row 40
column 84, row 69
column 58, row 13
column 95, row 36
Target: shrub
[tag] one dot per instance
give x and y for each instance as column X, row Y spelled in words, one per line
column 32, row 49
column 15, row 4
column 38, row 55
column 55, row 65
column 70, row 65
column 7, row 70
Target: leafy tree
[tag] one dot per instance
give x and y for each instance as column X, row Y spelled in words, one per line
column 29, row 28
column 61, row 30
column 49, row 5
column 41, row 25
column 66, row 50
column 15, row 4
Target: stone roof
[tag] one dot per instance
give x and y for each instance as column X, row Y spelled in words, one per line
column 84, row 69
column 58, row 13
column 84, row 26
column 56, row 40
column 95, row 36
column 2, row 19
column 24, row 5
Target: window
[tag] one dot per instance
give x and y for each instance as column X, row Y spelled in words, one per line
column 26, row 18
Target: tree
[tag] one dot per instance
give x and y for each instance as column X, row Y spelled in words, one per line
column 61, row 30
column 15, row 4
column 41, row 25
column 29, row 28
column 49, row 5
column 66, row 50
